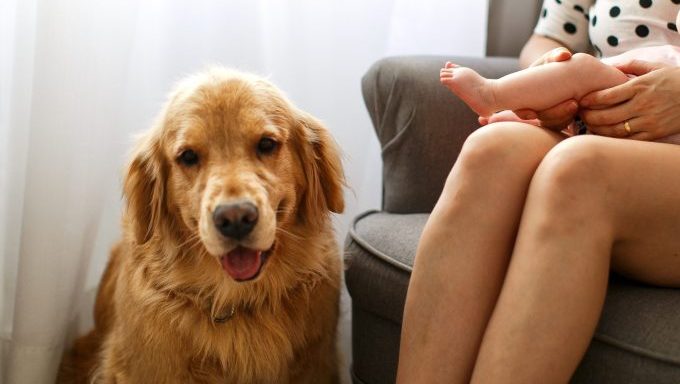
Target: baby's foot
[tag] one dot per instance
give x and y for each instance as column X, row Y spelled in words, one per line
column 470, row 86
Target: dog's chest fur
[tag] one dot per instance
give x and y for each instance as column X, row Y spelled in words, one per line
column 257, row 345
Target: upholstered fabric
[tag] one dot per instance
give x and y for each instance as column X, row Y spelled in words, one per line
column 509, row 26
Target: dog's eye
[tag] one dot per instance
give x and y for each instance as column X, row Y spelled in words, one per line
column 266, row 146
column 188, row 158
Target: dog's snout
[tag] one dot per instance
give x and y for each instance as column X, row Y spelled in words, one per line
column 235, row 220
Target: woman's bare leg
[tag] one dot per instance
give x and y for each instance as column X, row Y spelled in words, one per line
column 463, row 252
column 537, row 88
column 593, row 202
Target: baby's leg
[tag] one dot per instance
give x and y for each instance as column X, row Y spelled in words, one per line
column 547, row 85
column 536, row 88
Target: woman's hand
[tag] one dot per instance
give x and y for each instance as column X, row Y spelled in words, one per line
column 552, row 56
column 504, row 116
column 649, row 103
column 558, row 117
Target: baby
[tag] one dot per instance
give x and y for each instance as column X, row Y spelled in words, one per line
column 541, row 87
column 546, row 85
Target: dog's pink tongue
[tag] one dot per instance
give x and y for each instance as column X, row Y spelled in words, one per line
column 242, row 263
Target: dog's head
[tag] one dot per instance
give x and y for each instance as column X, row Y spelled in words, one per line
column 228, row 166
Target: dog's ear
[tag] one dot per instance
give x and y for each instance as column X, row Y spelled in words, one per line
column 144, row 188
column 324, row 177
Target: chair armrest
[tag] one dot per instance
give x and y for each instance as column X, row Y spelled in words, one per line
column 420, row 124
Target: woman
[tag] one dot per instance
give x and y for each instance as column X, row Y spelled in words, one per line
column 512, row 267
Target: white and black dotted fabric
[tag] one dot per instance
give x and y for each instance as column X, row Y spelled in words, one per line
column 609, row 27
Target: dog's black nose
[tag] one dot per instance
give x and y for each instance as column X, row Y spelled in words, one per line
column 235, row 220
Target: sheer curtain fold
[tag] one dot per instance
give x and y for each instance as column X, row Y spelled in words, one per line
column 16, row 19
column 78, row 78
column 66, row 66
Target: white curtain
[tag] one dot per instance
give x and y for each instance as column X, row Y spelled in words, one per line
column 79, row 77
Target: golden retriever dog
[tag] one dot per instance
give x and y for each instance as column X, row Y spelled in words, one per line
column 228, row 270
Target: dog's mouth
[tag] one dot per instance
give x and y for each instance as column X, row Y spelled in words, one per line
column 244, row 264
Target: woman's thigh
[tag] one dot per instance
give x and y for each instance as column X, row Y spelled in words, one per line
column 642, row 195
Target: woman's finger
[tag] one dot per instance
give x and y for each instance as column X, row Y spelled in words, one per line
column 608, row 97
column 641, row 136
column 560, row 111
column 505, row 116
column 526, row 114
column 558, row 54
column 559, row 116
column 639, row 67
column 614, row 130
column 639, row 129
column 555, row 55
column 609, row 116
column 635, row 129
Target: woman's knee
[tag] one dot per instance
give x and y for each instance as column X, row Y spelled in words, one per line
column 572, row 178
column 498, row 157
column 579, row 162
column 505, row 145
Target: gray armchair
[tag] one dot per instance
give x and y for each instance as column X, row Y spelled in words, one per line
column 421, row 128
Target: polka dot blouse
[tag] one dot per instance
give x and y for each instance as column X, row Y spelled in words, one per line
column 609, row 27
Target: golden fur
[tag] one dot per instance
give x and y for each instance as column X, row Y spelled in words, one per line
column 164, row 285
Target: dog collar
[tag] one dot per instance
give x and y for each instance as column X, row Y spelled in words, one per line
column 224, row 317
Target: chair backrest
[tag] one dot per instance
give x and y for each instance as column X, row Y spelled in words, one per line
column 511, row 22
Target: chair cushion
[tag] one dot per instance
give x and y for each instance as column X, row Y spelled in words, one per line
column 637, row 339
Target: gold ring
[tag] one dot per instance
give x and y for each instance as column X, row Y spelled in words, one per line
column 626, row 126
